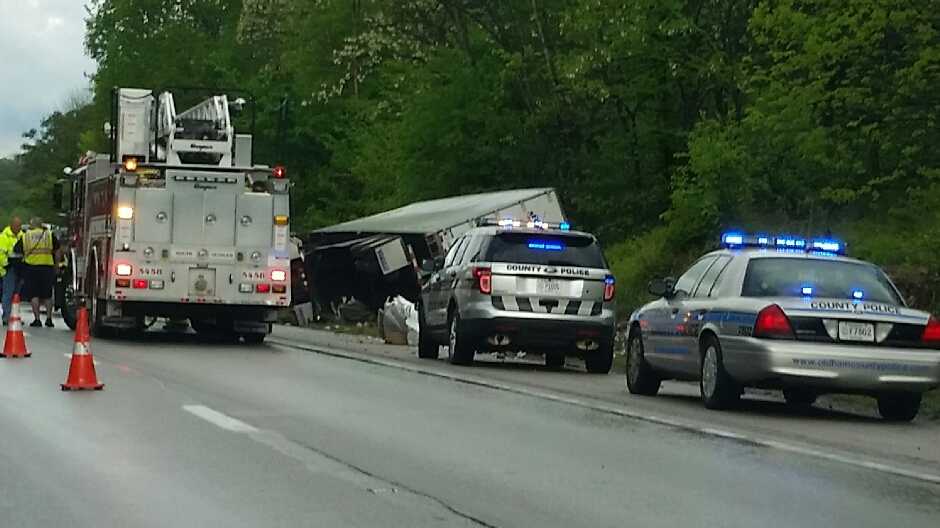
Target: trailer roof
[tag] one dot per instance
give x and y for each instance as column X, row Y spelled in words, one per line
column 438, row 215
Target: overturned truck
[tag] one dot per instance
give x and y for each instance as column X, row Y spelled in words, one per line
column 376, row 257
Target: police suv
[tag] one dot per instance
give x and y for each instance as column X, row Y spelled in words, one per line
column 513, row 286
column 783, row 312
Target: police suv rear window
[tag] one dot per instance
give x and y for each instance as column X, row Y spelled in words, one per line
column 548, row 249
column 822, row 278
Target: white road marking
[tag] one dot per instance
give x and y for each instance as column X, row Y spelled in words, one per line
column 884, row 467
column 218, row 419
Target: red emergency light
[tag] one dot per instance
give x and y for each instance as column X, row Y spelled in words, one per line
column 279, row 172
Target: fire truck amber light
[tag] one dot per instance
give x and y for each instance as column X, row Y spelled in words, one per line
column 281, row 220
column 279, row 275
column 125, row 212
column 141, row 284
column 263, row 288
column 130, row 164
column 123, row 270
column 279, row 288
column 122, row 283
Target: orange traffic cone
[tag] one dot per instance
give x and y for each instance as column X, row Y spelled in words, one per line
column 82, row 374
column 14, row 345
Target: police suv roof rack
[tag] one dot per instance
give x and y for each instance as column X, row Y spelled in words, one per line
column 737, row 240
column 509, row 223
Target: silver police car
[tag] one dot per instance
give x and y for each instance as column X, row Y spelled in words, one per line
column 514, row 286
column 783, row 312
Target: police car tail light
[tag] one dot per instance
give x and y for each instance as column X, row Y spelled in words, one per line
column 931, row 335
column 484, row 278
column 610, row 288
column 773, row 323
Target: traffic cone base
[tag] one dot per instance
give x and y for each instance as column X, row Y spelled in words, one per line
column 14, row 344
column 82, row 375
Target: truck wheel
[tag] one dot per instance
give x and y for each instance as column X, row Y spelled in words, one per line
column 95, row 308
column 717, row 388
column 640, row 376
column 601, row 360
column 459, row 352
column 899, row 407
column 799, row 397
column 427, row 347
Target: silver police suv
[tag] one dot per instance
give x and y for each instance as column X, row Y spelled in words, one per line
column 785, row 313
column 514, row 286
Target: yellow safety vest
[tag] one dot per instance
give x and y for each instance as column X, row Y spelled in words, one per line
column 37, row 248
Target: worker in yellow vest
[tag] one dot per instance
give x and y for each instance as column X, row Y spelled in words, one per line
column 40, row 259
column 12, row 262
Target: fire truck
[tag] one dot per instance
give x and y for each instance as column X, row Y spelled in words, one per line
column 176, row 222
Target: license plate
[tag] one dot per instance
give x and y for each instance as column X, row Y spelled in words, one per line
column 856, row 331
column 549, row 286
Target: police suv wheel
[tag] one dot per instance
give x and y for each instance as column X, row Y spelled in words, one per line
column 640, row 376
column 717, row 388
column 427, row 347
column 600, row 361
column 459, row 352
column 899, row 407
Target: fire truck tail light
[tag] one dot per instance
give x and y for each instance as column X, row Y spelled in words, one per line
column 279, row 288
column 279, row 275
column 141, row 284
column 281, row 220
column 125, row 212
column 123, row 270
column 263, row 288
column 122, row 283
column 246, row 288
column 156, row 285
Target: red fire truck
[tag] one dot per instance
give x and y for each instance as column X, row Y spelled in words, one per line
column 176, row 222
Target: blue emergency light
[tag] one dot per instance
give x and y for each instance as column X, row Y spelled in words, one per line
column 738, row 240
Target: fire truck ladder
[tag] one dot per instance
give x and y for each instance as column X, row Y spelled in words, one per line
column 200, row 135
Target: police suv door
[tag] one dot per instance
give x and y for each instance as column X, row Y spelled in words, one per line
column 439, row 288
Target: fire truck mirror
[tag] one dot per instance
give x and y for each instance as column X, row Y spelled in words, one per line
column 58, row 195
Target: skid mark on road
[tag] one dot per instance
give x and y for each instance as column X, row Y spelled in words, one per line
column 831, row 456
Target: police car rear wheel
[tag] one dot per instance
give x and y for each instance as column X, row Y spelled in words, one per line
column 641, row 379
column 899, row 407
column 718, row 390
column 458, row 353
column 427, row 347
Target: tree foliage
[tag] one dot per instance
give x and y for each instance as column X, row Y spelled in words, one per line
column 660, row 122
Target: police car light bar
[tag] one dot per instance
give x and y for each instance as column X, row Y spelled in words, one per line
column 736, row 240
column 509, row 223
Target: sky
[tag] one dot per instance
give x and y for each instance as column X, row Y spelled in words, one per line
column 42, row 63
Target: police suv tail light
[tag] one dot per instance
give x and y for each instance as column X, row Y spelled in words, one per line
column 773, row 323
column 931, row 336
column 610, row 288
column 484, row 279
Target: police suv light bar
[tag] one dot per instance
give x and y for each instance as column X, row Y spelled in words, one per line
column 509, row 223
column 735, row 240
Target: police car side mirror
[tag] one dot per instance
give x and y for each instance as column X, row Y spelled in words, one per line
column 662, row 287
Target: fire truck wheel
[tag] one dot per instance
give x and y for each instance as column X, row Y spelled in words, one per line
column 96, row 308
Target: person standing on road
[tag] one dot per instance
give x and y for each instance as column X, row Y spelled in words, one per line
column 12, row 234
column 40, row 253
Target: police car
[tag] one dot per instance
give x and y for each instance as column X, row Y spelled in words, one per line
column 784, row 312
column 515, row 286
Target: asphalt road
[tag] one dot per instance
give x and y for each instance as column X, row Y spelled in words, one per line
column 193, row 433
